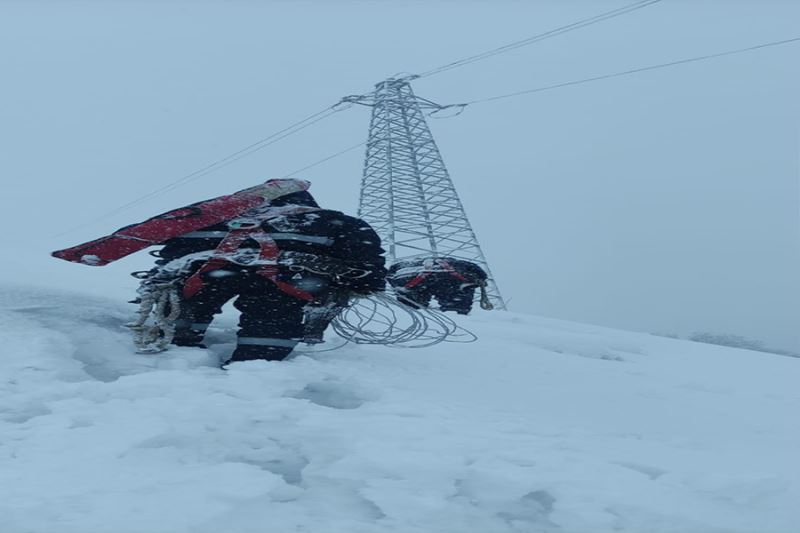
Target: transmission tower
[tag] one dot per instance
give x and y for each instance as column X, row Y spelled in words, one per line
column 406, row 192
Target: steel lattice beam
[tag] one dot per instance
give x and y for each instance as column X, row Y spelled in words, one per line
column 406, row 192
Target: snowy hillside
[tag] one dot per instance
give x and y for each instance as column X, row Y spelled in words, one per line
column 539, row 426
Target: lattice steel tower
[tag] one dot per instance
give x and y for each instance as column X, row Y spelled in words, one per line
column 406, row 192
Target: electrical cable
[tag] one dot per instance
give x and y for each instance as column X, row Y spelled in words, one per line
column 617, row 74
column 220, row 163
column 328, row 158
column 536, row 38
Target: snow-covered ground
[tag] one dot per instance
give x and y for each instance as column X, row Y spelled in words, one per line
column 539, row 426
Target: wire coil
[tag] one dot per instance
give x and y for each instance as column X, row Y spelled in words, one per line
column 381, row 319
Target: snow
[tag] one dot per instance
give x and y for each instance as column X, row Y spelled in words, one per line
column 541, row 425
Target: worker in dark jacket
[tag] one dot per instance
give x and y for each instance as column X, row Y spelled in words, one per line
column 290, row 264
column 451, row 281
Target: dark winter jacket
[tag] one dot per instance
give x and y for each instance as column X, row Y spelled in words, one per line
column 324, row 233
column 451, row 281
column 439, row 269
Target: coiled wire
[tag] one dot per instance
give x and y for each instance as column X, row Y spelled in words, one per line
column 380, row 319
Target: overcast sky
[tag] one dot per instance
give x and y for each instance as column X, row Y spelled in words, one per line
column 666, row 201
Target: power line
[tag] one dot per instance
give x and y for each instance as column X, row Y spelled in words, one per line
column 328, row 158
column 339, row 106
column 536, row 38
column 622, row 73
column 565, row 84
column 220, row 163
column 327, row 112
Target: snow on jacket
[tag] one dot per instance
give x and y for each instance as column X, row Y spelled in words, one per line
column 437, row 269
column 324, row 233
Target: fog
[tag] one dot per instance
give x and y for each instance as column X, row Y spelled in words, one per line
column 665, row 201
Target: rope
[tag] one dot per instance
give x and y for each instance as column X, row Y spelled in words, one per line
column 161, row 303
column 627, row 72
column 536, row 38
column 486, row 303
